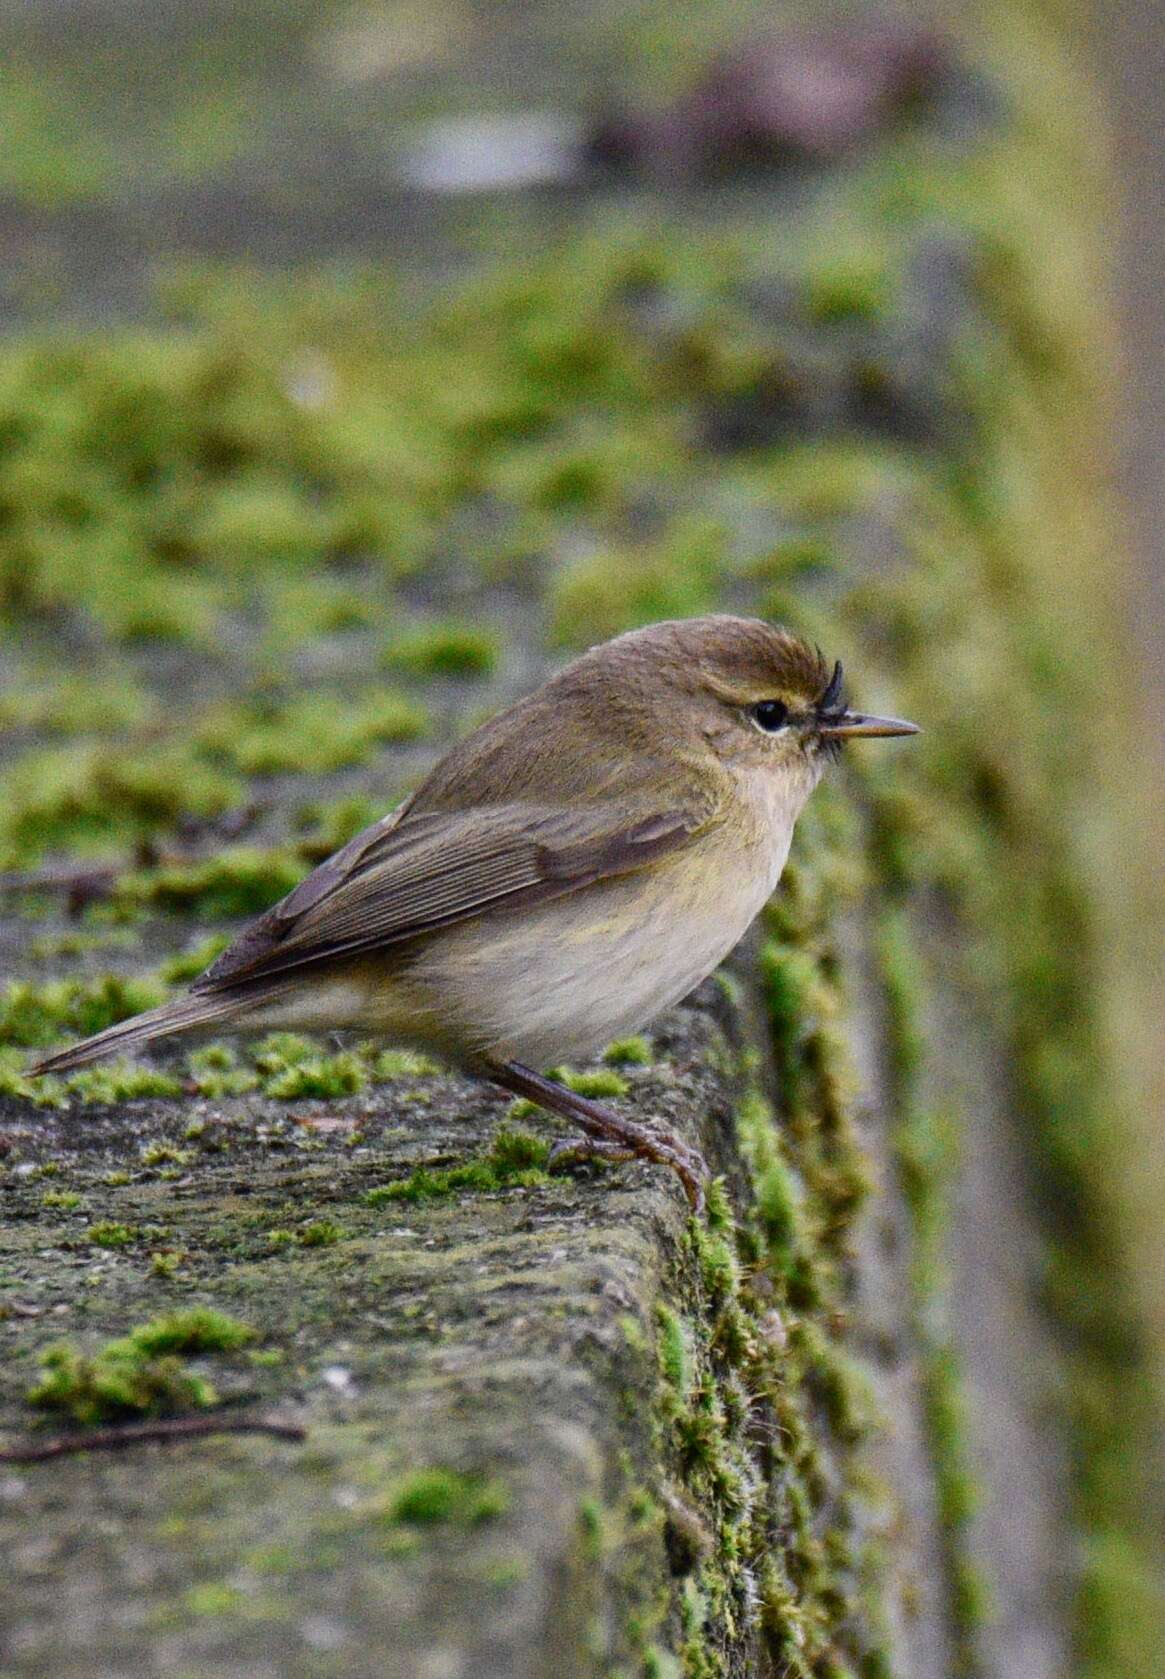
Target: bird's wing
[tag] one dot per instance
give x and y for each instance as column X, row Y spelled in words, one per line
column 413, row 873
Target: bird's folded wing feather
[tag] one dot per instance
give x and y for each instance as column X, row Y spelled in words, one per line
column 413, row 873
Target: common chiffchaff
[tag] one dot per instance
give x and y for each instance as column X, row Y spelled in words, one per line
column 572, row 868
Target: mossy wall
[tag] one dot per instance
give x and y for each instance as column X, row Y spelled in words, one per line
column 289, row 534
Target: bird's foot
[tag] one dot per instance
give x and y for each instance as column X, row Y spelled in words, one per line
column 668, row 1148
column 617, row 1138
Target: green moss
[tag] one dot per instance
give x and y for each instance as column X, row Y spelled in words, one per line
column 516, row 1158
column 321, row 1233
column 38, row 1015
column 85, row 796
column 616, row 589
column 446, row 1497
column 66, row 1200
column 165, row 1154
column 110, row 1234
column 120, row 1081
column 629, row 1052
column 838, row 1382
column 171, row 483
column 780, row 1195
column 402, row 1064
column 449, row 649
column 280, row 1050
column 115, row 1385
column 601, row 1082
column 215, row 1599
column 215, row 1072
column 142, row 1372
column 199, row 1329
column 517, row 1151
column 81, row 943
column 239, row 880
column 319, row 1075
column 181, row 969
column 309, row 732
column 79, row 705
column 45, row 1092
column 925, row 1146
column 855, row 286
column 591, row 1521
column 674, row 1355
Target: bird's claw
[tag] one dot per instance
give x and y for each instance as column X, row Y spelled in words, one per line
column 665, row 1148
column 580, row 1151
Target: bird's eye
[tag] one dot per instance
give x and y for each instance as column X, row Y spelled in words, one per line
column 770, row 715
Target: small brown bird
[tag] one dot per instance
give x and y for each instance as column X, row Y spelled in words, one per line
column 575, row 866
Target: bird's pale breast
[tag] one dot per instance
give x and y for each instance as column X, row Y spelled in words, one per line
column 558, row 982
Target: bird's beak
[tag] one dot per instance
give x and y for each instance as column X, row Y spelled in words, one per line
column 852, row 723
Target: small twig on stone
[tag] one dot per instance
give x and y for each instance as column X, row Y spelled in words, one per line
column 136, row 1434
column 78, row 884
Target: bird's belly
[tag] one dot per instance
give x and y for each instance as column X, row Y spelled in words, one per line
column 558, row 982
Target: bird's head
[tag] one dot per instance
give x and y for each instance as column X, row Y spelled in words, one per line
column 752, row 694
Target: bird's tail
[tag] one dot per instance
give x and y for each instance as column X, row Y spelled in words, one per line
column 184, row 1014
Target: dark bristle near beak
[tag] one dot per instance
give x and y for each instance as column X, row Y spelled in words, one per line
column 832, row 699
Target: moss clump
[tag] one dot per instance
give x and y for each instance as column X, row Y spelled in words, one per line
column 617, row 589
column 199, row 1329
column 34, row 1016
column 780, row 1195
column 516, row 1151
column 446, row 1497
column 45, row 1092
column 629, row 1052
column 79, row 705
column 181, row 969
column 109, row 1233
column 319, row 1075
column 165, row 1154
column 402, row 1064
column 120, row 1081
column 309, row 732
column 852, row 287
column 674, row 1354
column 64, row 1200
column 516, row 1158
column 280, row 1050
column 321, row 1233
column 84, row 796
column 215, row 1071
column 115, row 1385
column 239, row 880
column 602, row 1081
column 450, row 649
column 141, row 1373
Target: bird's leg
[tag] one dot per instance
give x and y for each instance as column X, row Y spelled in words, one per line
column 606, row 1128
